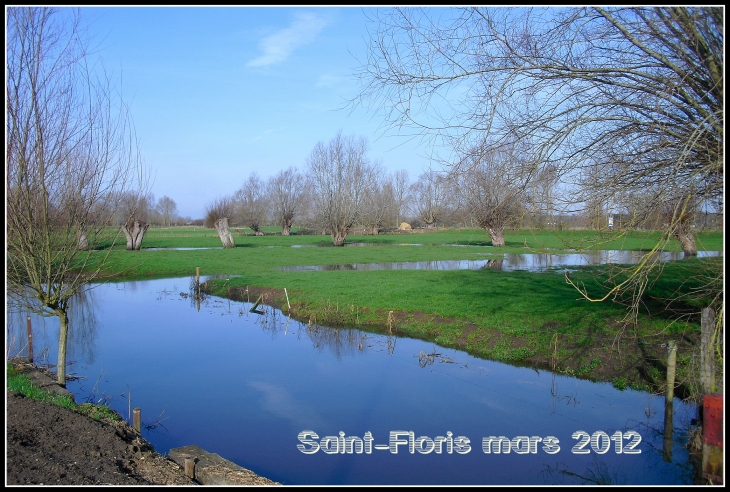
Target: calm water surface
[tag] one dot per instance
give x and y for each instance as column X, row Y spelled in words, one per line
column 533, row 262
column 245, row 386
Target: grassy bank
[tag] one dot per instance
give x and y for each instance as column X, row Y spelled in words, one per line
column 527, row 318
column 200, row 237
column 19, row 382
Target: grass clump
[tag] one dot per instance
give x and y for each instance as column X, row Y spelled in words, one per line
column 21, row 383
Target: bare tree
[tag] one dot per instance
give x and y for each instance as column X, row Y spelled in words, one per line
column 217, row 208
column 635, row 92
column 679, row 212
column 401, row 193
column 167, row 209
column 379, row 201
column 339, row 173
column 135, row 211
column 491, row 186
column 70, row 156
column 251, row 204
column 286, row 193
column 542, row 197
column 217, row 213
column 429, row 197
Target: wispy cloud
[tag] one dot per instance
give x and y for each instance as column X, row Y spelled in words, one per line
column 330, row 81
column 278, row 401
column 266, row 133
column 277, row 47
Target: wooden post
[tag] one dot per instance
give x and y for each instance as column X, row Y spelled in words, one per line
column 669, row 402
column 137, row 414
column 256, row 304
column 707, row 357
column 671, row 371
column 668, row 431
column 197, row 280
column 190, row 467
column 287, row 299
column 30, row 340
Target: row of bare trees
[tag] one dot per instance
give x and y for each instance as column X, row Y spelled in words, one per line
column 491, row 187
column 340, row 188
column 610, row 102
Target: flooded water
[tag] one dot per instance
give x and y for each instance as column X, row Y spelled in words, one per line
column 180, row 249
column 315, row 405
column 533, row 262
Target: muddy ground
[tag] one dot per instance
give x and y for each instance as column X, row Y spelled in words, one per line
column 51, row 445
column 47, row 444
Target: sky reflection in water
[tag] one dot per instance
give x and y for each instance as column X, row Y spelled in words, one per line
column 245, row 386
column 533, row 262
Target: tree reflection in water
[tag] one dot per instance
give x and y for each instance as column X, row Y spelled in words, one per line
column 82, row 332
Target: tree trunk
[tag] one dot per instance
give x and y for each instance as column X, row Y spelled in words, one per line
column 375, row 230
column 256, row 229
column 221, row 225
column 83, row 242
column 494, row 264
column 285, row 229
column 497, row 236
column 687, row 240
column 339, row 236
column 62, row 339
column 135, row 235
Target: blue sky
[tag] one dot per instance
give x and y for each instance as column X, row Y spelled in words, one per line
column 219, row 92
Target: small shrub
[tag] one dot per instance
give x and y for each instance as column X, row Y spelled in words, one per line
column 620, row 384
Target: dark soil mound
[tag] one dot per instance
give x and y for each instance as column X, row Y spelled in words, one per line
column 51, row 445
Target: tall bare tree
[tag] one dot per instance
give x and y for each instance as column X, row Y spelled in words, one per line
column 491, row 187
column 167, row 210
column 286, row 191
column 379, row 201
column 401, row 193
column 339, row 172
column 251, row 203
column 635, row 92
column 70, row 156
column 542, row 197
column 429, row 196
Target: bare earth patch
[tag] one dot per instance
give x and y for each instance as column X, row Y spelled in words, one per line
column 52, row 445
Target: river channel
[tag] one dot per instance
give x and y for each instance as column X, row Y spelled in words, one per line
column 306, row 405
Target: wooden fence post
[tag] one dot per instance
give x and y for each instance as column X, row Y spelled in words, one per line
column 669, row 402
column 137, row 414
column 707, row 357
column 190, row 467
column 671, row 370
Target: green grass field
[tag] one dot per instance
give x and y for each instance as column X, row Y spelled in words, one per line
column 528, row 318
column 200, row 237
